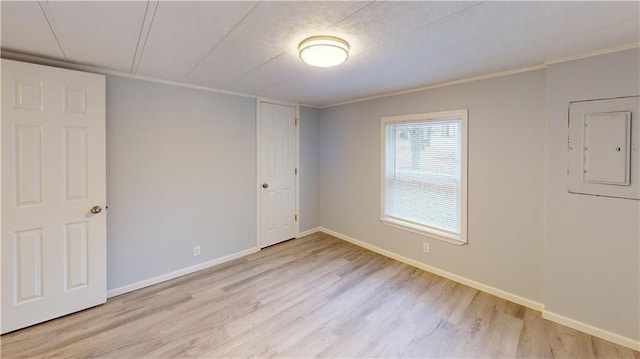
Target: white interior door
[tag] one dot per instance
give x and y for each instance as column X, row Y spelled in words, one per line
column 53, row 173
column 278, row 161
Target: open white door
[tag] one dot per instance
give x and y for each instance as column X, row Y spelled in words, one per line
column 278, row 156
column 53, row 178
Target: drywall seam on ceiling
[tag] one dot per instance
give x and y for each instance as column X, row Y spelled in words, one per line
column 217, row 44
column 53, row 32
column 145, row 30
column 287, row 51
column 364, row 51
column 10, row 55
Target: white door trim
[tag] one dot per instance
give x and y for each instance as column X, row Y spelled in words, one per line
column 260, row 100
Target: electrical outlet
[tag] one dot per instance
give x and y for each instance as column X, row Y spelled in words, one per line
column 426, row 247
column 196, row 251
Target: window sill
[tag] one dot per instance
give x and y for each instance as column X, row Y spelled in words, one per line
column 441, row 236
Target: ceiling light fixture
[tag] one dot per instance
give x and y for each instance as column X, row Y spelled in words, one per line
column 323, row 51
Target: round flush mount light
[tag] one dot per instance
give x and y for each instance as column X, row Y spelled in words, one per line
column 323, row 51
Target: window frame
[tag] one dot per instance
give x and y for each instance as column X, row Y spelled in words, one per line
column 418, row 228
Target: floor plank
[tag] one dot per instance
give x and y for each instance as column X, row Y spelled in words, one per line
column 316, row 296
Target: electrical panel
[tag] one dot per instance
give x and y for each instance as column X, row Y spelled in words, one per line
column 606, row 148
column 603, row 147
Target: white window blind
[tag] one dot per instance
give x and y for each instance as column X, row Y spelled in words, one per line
column 425, row 173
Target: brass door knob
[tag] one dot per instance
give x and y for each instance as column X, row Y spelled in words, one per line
column 96, row 209
column 265, row 185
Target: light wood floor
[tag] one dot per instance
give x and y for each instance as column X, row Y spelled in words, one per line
column 312, row 297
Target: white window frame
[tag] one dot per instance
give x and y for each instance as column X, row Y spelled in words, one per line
column 418, row 228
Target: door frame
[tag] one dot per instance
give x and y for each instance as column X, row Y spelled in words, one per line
column 259, row 101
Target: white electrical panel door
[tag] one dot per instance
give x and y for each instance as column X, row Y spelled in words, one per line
column 606, row 148
column 604, row 158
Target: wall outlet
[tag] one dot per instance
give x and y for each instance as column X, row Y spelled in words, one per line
column 426, row 247
column 196, row 251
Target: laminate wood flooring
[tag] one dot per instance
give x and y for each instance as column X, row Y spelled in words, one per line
column 316, row 296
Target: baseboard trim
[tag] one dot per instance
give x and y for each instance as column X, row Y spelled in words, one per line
column 454, row 277
column 309, row 231
column 590, row 329
column 179, row 273
column 557, row 318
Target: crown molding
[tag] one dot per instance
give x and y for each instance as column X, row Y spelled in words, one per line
column 442, row 84
column 584, row 55
column 544, row 65
column 73, row 66
column 10, row 55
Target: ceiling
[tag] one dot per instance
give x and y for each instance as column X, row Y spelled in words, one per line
column 251, row 47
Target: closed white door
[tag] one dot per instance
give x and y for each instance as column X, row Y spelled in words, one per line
column 278, row 159
column 53, row 193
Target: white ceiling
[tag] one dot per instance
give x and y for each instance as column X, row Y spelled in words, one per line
column 251, row 47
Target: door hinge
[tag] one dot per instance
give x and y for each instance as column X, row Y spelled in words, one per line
column 295, row 217
column 296, row 122
column 295, row 171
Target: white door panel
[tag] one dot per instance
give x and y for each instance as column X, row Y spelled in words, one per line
column 28, row 265
column 53, row 173
column 278, row 160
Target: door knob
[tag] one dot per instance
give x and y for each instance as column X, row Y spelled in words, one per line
column 96, row 209
column 265, row 185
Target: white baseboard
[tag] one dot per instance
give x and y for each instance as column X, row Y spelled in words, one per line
column 309, row 231
column 454, row 277
column 179, row 273
column 590, row 329
column 571, row 323
column 557, row 318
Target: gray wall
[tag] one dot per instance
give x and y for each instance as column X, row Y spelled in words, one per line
column 592, row 271
column 506, row 181
column 309, row 168
column 180, row 173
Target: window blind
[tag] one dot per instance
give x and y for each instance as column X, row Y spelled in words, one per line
column 423, row 174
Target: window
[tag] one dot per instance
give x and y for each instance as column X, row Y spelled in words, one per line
column 424, row 180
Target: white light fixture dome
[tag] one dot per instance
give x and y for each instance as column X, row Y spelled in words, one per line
column 323, row 51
